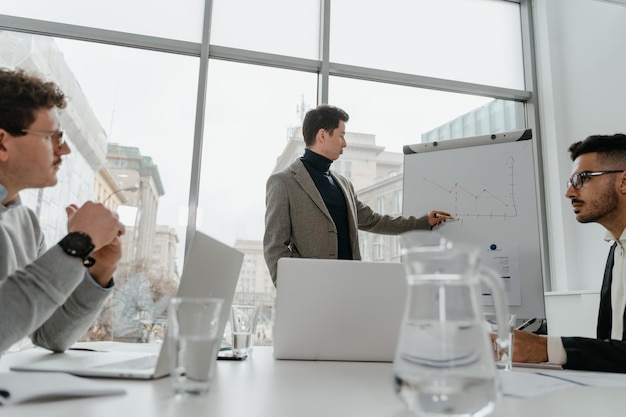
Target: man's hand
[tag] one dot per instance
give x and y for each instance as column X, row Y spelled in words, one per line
column 100, row 223
column 106, row 261
column 436, row 217
column 529, row 347
column 104, row 228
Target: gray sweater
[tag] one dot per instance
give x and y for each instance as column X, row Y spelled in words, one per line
column 46, row 294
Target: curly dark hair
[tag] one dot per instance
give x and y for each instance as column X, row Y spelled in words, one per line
column 325, row 117
column 612, row 148
column 21, row 94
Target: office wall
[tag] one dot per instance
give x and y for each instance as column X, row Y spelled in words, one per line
column 581, row 56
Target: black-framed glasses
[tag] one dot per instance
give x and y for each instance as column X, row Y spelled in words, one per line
column 579, row 179
column 55, row 135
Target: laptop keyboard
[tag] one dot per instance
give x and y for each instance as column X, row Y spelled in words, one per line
column 144, row 362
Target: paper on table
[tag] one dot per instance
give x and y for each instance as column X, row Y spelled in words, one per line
column 19, row 387
column 591, row 379
column 529, row 384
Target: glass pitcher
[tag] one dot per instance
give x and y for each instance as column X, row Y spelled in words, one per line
column 444, row 363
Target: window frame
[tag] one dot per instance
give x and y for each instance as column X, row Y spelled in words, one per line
column 322, row 67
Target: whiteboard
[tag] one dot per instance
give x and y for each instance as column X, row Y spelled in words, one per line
column 489, row 187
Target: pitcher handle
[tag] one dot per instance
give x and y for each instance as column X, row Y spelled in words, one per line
column 501, row 304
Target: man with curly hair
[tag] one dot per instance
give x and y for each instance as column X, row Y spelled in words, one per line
column 52, row 295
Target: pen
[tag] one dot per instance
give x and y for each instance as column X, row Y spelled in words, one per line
column 526, row 324
column 447, row 218
column 86, row 349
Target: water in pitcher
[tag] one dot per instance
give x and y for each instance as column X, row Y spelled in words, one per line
column 451, row 378
column 444, row 364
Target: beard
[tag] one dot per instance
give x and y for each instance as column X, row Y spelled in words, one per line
column 604, row 204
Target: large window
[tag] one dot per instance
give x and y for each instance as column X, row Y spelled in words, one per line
column 162, row 136
column 128, row 126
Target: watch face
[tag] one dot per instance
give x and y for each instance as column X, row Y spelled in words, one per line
column 77, row 244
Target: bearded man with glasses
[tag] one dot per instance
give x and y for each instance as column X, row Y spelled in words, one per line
column 597, row 191
column 52, row 295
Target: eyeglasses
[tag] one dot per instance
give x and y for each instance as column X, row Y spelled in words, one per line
column 55, row 135
column 579, row 179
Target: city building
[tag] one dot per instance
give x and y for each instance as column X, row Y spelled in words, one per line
column 131, row 169
column 255, row 287
column 494, row 117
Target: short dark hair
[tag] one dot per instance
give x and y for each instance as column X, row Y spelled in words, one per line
column 23, row 93
column 612, row 148
column 325, row 117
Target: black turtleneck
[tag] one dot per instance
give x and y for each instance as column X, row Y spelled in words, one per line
column 318, row 167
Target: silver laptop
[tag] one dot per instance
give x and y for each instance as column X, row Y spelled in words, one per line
column 210, row 270
column 338, row 310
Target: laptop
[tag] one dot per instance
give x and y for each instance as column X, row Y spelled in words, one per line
column 211, row 269
column 338, row 310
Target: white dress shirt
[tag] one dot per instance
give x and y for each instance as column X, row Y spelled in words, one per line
column 556, row 351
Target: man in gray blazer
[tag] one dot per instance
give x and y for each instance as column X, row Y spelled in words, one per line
column 312, row 212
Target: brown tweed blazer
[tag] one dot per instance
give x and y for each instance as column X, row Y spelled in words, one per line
column 298, row 224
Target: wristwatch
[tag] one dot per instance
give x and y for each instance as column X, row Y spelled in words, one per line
column 78, row 244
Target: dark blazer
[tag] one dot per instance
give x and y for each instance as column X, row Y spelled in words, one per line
column 298, row 224
column 601, row 354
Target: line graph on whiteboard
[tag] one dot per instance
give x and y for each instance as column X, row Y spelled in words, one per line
column 496, row 200
column 492, row 190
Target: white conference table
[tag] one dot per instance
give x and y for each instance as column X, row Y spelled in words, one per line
column 264, row 387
